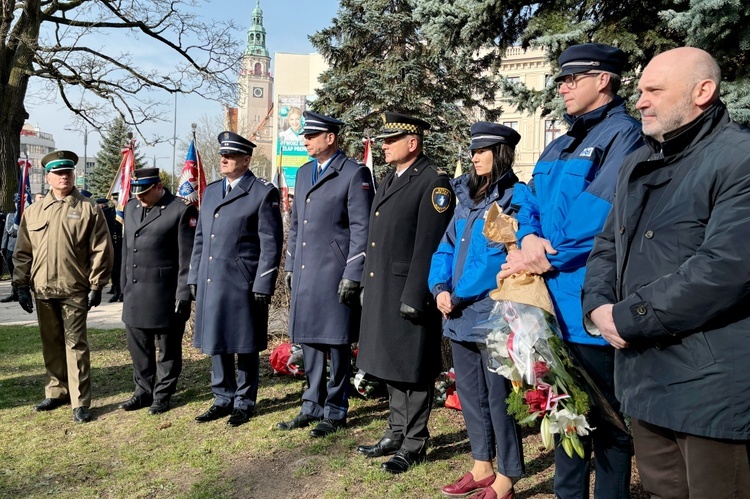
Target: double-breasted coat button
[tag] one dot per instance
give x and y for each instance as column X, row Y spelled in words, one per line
column 640, row 310
column 137, row 234
column 210, row 258
column 307, row 200
column 212, row 236
column 208, row 280
column 135, row 280
column 372, row 244
column 305, row 222
column 649, row 234
column 135, row 250
column 303, row 266
column 377, row 213
column 372, row 274
column 216, row 215
column 304, row 244
column 135, row 265
column 622, row 229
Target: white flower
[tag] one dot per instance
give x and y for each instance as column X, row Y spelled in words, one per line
column 566, row 421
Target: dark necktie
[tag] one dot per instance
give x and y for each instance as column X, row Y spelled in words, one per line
column 229, row 189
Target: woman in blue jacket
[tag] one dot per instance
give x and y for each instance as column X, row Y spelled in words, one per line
column 462, row 275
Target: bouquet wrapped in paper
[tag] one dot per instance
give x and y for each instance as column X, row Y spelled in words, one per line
column 524, row 346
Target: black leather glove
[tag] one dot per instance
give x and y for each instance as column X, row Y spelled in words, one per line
column 288, row 280
column 193, row 291
column 409, row 313
column 95, row 298
column 348, row 291
column 25, row 299
column 262, row 299
column 182, row 309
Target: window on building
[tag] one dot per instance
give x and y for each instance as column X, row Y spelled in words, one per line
column 511, row 124
column 514, row 79
column 552, row 130
column 258, row 69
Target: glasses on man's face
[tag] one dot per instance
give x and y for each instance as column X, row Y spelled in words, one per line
column 571, row 81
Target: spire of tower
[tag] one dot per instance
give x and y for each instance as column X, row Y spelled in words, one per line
column 256, row 35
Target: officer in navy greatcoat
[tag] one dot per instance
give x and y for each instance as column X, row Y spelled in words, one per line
column 325, row 256
column 158, row 240
column 233, row 271
column 401, row 326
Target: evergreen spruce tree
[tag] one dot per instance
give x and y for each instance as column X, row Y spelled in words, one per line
column 380, row 60
column 109, row 157
column 641, row 29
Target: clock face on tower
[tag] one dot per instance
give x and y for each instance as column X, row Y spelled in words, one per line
column 257, row 92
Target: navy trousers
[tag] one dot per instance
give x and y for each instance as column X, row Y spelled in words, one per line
column 613, row 448
column 240, row 390
column 327, row 400
column 492, row 432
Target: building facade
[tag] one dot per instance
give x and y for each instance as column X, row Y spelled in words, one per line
column 255, row 108
column 36, row 144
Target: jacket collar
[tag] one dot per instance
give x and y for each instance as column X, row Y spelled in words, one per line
column 688, row 135
column 497, row 190
column 580, row 125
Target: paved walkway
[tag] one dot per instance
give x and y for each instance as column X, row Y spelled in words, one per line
column 105, row 316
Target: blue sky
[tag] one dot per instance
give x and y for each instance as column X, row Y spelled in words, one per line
column 288, row 24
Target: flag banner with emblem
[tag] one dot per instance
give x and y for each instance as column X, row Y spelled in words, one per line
column 193, row 178
column 24, row 190
column 368, row 142
column 279, row 181
column 121, row 184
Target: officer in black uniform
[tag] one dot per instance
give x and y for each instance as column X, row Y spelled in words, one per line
column 157, row 244
column 401, row 325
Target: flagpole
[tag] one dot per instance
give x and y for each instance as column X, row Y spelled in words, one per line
column 198, row 165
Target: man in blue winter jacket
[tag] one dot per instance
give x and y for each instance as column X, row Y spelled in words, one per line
column 561, row 211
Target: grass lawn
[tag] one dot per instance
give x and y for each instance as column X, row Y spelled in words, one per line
column 132, row 454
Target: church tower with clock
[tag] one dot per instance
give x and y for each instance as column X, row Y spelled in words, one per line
column 254, row 116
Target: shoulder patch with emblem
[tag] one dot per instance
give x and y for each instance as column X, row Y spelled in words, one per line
column 586, row 153
column 441, row 199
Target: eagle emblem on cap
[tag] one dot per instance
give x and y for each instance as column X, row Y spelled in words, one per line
column 226, row 135
column 60, row 154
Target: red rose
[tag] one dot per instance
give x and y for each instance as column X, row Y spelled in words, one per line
column 536, row 399
column 540, row 369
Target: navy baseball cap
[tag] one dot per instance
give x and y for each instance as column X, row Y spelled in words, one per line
column 317, row 123
column 591, row 57
column 485, row 134
column 234, row 143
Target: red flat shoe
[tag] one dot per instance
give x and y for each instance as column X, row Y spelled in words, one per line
column 466, row 485
column 489, row 493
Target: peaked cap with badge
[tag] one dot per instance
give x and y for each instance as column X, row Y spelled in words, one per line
column 591, row 57
column 234, row 143
column 144, row 179
column 59, row 160
column 485, row 134
column 395, row 124
column 317, row 123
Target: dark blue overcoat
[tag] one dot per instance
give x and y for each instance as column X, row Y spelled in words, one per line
column 236, row 253
column 327, row 242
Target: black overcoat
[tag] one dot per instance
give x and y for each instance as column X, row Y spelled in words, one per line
column 407, row 221
column 672, row 258
column 236, row 253
column 156, row 260
column 327, row 242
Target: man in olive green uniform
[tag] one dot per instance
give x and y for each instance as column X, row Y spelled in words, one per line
column 64, row 253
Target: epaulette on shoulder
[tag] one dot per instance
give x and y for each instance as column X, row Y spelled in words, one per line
column 442, row 172
column 188, row 203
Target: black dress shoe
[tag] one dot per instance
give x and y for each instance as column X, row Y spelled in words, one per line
column 112, row 299
column 159, row 407
column 385, row 447
column 134, row 403
column 327, row 426
column 240, row 417
column 403, row 460
column 81, row 415
column 213, row 413
column 301, row 420
column 49, row 404
column 11, row 297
